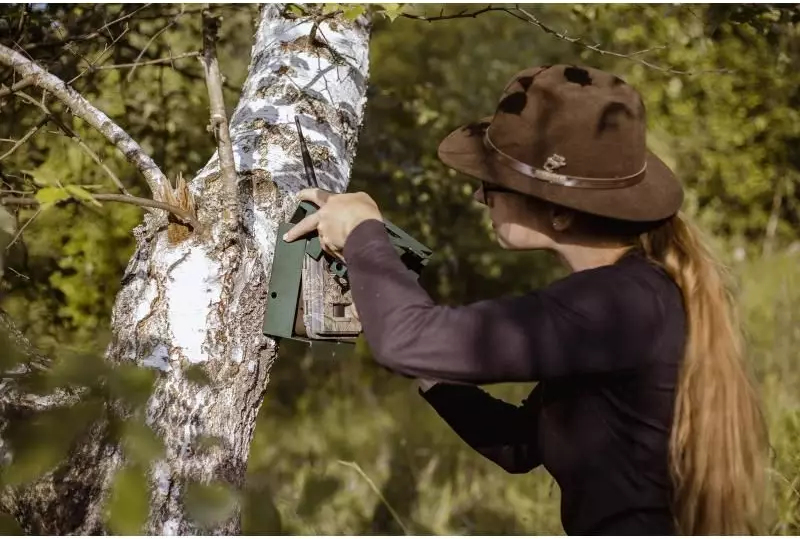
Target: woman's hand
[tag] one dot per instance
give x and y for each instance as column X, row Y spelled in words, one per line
column 337, row 216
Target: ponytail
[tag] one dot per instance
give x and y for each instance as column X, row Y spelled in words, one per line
column 718, row 441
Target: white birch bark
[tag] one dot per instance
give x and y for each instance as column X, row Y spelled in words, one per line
column 198, row 300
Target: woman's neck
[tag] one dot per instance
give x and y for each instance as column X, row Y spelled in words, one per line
column 584, row 257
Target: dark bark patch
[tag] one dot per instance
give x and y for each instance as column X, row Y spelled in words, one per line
column 513, row 103
column 608, row 119
column 578, row 76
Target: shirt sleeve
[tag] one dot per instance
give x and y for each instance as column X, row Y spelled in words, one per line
column 593, row 321
column 502, row 432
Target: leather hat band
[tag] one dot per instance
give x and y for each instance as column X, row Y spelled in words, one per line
column 555, row 161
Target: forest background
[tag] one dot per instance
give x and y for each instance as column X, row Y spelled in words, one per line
column 342, row 446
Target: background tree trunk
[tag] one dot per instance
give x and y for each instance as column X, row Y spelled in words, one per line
column 191, row 304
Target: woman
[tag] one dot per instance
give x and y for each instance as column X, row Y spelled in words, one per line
column 644, row 413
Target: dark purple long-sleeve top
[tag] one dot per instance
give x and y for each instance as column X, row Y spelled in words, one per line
column 604, row 344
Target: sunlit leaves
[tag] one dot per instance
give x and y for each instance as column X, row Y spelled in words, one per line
column 82, row 194
column 49, row 196
column 391, row 11
column 353, row 11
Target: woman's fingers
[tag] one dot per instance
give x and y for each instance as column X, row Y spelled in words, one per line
column 308, row 224
column 317, row 196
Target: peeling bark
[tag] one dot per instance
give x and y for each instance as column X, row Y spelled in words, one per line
column 198, row 300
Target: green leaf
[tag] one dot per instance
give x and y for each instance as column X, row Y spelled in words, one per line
column 48, row 196
column 42, row 180
column 82, row 194
column 141, row 444
column 352, row 12
column 210, row 504
column 197, row 375
column 329, row 8
column 297, row 10
column 392, row 11
column 128, row 503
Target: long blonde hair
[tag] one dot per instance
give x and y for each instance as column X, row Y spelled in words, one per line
column 718, row 443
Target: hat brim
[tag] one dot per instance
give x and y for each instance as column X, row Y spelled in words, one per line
column 658, row 196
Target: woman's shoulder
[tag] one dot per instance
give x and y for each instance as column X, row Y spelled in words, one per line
column 634, row 284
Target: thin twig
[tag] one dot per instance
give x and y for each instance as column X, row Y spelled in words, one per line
column 17, row 86
column 126, row 199
column 27, row 135
column 460, row 15
column 357, row 468
column 92, row 115
column 155, row 36
column 86, row 37
column 22, row 228
column 100, row 57
column 148, row 62
column 83, row 146
column 530, row 18
column 68, row 131
column 595, row 48
column 219, row 118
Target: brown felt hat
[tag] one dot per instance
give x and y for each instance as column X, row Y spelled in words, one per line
column 572, row 135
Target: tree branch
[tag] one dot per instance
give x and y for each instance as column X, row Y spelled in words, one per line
column 85, row 37
column 42, row 121
column 193, row 54
column 83, row 109
column 155, row 36
column 182, row 214
column 460, row 15
column 530, row 18
column 596, row 48
column 20, row 85
column 75, row 138
column 219, row 119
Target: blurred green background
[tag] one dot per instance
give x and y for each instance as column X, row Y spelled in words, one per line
column 342, row 446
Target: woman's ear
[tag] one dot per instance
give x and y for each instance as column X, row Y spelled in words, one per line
column 561, row 218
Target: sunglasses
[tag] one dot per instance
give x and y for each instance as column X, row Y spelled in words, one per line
column 487, row 188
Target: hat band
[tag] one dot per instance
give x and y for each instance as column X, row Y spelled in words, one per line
column 563, row 179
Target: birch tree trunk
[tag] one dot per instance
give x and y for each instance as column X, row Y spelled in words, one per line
column 197, row 301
